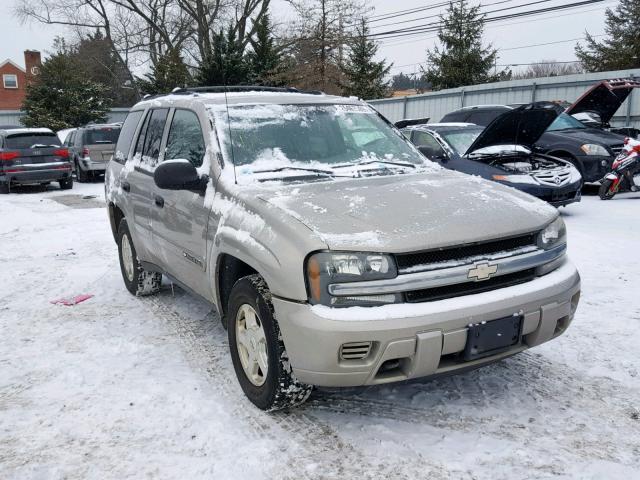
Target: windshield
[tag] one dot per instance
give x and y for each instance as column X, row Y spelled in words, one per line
column 460, row 140
column 101, row 135
column 565, row 122
column 31, row 139
column 303, row 137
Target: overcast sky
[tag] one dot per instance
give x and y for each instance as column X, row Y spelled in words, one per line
column 403, row 52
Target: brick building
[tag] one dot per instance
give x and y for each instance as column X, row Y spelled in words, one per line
column 14, row 79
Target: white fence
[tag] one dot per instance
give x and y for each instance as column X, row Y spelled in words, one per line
column 12, row 117
column 436, row 104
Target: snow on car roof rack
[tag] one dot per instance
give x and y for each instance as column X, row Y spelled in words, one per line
column 243, row 88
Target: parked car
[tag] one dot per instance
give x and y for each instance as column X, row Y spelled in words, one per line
column 590, row 150
column 33, row 156
column 503, row 152
column 335, row 253
column 597, row 106
column 91, row 148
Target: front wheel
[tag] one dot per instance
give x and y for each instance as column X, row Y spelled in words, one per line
column 259, row 357
column 66, row 184
column 605, row 192
column 137, row 280
column 81, row 175
column 4, row 188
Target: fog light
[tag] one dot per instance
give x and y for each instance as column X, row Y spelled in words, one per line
column 574, row 302
column 604, row 163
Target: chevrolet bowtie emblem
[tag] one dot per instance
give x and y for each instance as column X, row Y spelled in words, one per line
column 482, row 271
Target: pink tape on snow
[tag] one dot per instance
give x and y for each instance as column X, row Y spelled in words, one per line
column 69, row 302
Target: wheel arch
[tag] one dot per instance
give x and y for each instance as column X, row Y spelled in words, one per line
column 229, row 269
column 115, row 216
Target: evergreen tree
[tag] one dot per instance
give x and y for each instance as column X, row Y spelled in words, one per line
column 227, row 63
column 462, row 60
column 265, row 59
column 621, row 50
column 168, row 73
column 364, row 77
column 62, row 96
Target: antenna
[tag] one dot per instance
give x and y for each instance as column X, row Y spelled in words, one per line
column 233, row 158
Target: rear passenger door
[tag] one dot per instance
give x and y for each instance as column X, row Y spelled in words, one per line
column 180, row 218
column 138, row 183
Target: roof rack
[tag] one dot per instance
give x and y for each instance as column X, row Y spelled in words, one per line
column 232, row 89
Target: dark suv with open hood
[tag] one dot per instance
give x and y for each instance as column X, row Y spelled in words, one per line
column 503, row 152
column 591, row 150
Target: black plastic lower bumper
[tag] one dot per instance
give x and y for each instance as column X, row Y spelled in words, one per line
column 26, row 176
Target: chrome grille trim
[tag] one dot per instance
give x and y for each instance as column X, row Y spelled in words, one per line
column 553, row 178
column 447, row 276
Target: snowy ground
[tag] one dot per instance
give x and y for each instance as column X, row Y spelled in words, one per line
column 121, row 387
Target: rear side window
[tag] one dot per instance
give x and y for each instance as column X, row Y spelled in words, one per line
column 126, row 136
column 484, row 118
column 185, row 138
column 153, row 137
column 32, row 140
column 96, row 136
column 455, row 117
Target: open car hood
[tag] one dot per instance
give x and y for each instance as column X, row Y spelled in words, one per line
column 604, row 98
column 521, row 126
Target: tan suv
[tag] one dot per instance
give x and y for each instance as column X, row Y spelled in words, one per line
column 91, row 148
column 336, row 254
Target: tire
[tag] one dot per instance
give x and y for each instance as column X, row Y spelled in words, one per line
column 278, row 388
column 66, row 184
column 81, row 175
column 139, row 282
column 4, row 188
column 604, row 192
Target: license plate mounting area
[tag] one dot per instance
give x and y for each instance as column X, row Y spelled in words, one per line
column 492, row 337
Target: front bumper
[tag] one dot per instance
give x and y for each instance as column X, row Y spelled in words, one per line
column 30, row 174
column 556, row 196
column 421, row 339
column 595, row 167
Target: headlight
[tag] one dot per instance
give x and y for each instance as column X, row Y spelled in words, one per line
column 516, row 179
column 553, row 235
column 593, row 149
column 325, row 268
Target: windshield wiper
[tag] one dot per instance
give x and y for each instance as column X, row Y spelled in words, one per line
column 368, row 162
column 304, row 169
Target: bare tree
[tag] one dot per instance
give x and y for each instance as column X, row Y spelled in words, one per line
column 549, row 68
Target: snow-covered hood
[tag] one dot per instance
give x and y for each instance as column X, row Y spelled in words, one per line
column 407, row 213
column 521, row 126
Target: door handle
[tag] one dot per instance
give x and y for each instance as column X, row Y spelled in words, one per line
column 159, row 201
column 126, row 186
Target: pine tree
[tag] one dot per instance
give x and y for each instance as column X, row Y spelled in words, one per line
column 621, row 50
column 462, row 60
column 227, row 63
column 265, row 59
column 168, row 73
column 62, row 97
column 365, row 78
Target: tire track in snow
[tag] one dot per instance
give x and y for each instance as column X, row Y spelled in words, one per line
column 320, row 452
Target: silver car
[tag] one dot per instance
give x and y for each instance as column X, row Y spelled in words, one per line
column 91, row 148
column 336, row 253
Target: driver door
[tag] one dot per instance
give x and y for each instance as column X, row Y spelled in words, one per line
column 180, row 218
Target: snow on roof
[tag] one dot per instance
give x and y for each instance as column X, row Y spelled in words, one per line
column 471, row 107
column 18, row 131
column 428, row 126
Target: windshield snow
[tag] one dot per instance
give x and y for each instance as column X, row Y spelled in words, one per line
column 320, row 140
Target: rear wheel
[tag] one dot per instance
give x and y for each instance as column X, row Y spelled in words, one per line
column 137, row 280
column 257, row 349
column 605, row 190
column 4, row 188
column 66, row 184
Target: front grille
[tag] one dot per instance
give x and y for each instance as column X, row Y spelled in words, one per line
column 468, row 288
column 355, row 350
column 553, row 179
column 409, row 260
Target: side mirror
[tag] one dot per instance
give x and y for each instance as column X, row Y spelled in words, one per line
column 179, row 174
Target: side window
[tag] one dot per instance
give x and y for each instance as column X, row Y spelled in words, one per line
column 142, row 135
column 126, row 136
column 430, row 146
column 69, row 140
column 153, row 137
column 455, row 117
column 185, row 138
